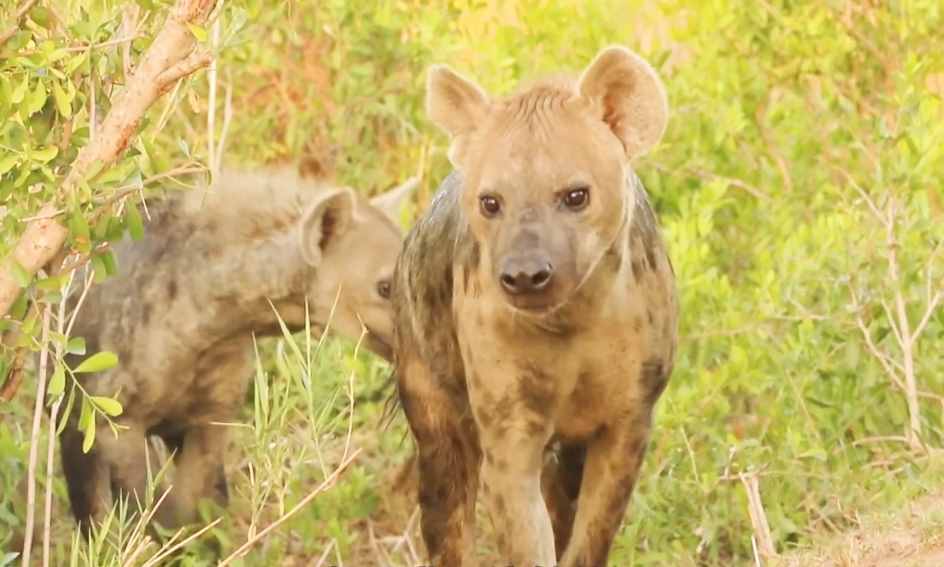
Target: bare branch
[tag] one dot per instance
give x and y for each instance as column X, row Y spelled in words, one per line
column 34, row 441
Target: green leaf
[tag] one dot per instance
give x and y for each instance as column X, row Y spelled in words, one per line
column 97, row 362
column 75, row 62
column 110, row 406
column 198, row 32
column 63, row 100
column 76, row 345
column 111, row 265
column 57, row 384
column 46, row 154
column 134, row 221
column 36, row 100
column 22, row 276
column 7, row 163
column 101, row 270
column 64, row 416
column 19, row 93
column 89, row 435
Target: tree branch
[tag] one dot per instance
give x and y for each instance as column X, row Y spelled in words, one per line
column 170, row 57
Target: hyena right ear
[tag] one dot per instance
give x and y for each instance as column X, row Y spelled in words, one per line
column 454, row 104
column 323, row 222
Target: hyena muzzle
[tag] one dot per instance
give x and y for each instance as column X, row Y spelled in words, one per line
column 217, row 268
column 536, row 314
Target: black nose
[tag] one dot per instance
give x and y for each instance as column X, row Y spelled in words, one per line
column 526, row 275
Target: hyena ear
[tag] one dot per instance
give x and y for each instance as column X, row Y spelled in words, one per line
column 628, row 93
column 323, row 222
column 454, row 103
column 390, row 201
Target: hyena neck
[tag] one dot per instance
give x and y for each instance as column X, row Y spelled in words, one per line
column 248, row 286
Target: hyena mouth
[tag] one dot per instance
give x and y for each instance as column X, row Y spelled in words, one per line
column 378, row 346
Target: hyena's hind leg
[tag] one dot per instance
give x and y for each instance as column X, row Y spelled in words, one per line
column 560, row 484
column 448, row 461
column 88, row 479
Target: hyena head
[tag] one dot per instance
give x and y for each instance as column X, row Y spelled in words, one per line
column 544, row 171
column 353, row 244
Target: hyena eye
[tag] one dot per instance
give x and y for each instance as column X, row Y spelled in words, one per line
column 576, row 199
column 490, row 205
column 383, row 289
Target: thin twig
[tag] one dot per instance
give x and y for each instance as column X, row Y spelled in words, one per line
column 34, row 440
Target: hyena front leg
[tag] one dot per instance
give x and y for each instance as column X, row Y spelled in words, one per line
column 448, row 458
column 560, row 482
column 514, row 430
column 614, row 457
column 198, row 474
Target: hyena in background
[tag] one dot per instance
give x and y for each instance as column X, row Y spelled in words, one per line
column 536, row 314
column 188, row 298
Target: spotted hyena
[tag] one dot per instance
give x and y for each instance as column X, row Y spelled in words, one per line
column 536, row 313
column 187, row 300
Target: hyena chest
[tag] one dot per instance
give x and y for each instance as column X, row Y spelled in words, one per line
column 578, row 372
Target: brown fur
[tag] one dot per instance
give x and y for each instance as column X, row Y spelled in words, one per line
column 189, row 298
column 491, row 377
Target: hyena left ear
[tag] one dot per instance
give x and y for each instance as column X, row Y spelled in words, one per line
column 455, row 104
column 323, row 222
column 390, row 201
column 630, row 96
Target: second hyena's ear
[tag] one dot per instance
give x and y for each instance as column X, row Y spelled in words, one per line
column 630, row 96
column 323, row 222
column 391, row 201
column 454, row 104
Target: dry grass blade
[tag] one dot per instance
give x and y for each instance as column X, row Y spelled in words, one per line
column 762, row 538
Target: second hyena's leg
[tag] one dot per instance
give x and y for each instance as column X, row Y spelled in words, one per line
column 126, row 456
column 447, row 454
column 560, row 482
column 198, row 473
column 612, row 467
column 88, row 478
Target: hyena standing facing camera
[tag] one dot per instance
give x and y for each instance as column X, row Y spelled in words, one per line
column 536, row 310
column 182, row 311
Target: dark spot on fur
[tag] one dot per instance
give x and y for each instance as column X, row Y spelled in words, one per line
column 504, row 409
column 651, row 316
column 637, row 269
column 536, row 389
column 654, row 379
column 146, row 314
column 535, row 427
column 637, row 324
column 171, row 290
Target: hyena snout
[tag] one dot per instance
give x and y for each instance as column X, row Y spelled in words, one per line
column 526, row 274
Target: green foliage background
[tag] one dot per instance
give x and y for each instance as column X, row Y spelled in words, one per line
column 781, row 109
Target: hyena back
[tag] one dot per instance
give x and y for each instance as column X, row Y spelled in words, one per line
column 536, row 310
column 214, row 269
